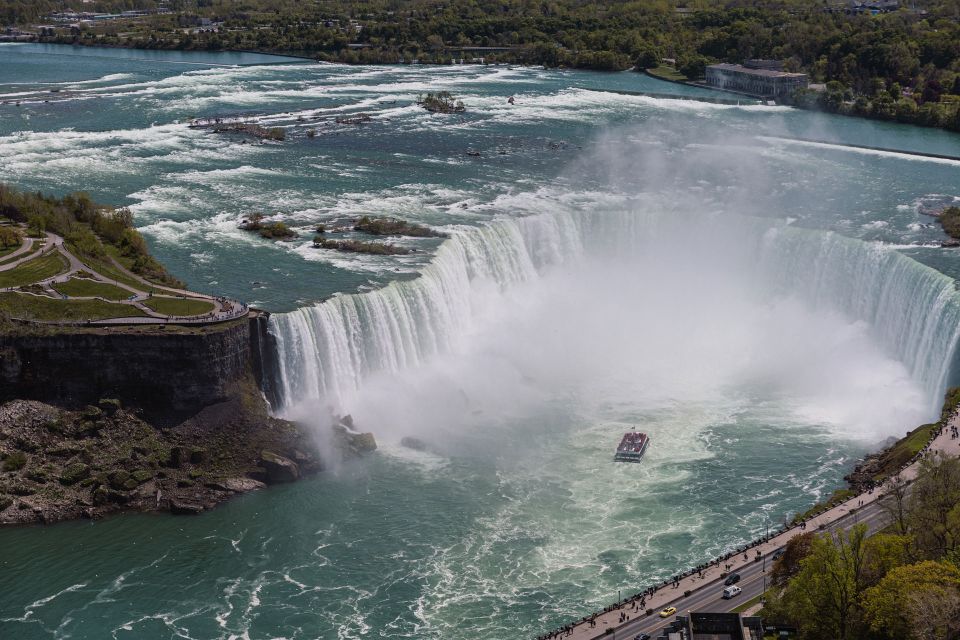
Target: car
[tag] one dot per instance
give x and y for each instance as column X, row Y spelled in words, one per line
column 731, row 592
column 669, row 611
column 733, row 578
column 778, row 553
column 642, row 636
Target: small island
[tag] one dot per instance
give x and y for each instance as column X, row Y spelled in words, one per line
column 441, row 102
column 269, row 230
column 359, row 246
column 395, row 227
column 225, row 125
column 950, row 221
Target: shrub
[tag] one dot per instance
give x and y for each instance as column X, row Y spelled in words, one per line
column 950, row 220
column 15, row 461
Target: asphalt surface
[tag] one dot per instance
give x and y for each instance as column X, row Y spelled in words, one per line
column 709, row 597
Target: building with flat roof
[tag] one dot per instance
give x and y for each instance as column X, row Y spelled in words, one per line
column 761, row 82
column 713, row 626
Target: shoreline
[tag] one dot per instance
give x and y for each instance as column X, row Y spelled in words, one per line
column 305, row 58
column 598, row 625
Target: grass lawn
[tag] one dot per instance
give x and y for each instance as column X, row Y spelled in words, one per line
column 128, row 264
column 89, row 288
column 36, row 246
column 8, row 250
column 178, row 306
column 27, row 307
column 747, row 604
column 34, row 270
column 666, row 72
column 107, row 270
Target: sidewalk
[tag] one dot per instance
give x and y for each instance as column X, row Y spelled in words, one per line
column 665, row 594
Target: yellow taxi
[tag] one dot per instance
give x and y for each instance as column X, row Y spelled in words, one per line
column 669, row 611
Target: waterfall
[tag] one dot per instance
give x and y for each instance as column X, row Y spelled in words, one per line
column 324, row 352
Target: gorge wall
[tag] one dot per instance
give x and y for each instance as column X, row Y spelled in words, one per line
column 169, row 373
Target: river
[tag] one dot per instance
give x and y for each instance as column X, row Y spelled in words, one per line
column 766, row 309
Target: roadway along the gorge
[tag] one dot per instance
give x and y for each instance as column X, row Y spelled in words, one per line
column 753, row 580
column 706, row 592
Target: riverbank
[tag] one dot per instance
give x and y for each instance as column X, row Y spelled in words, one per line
column 890, row 462
column 58, row 464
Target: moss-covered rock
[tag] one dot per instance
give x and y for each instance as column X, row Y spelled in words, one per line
column 57, row 426
column 91, row 413
column 109, row 406
column 15, row 461
column 22, row 489
column 118, row 478
column 279, row 469
column 40, row 476
column 141, row 475
column 74, row 473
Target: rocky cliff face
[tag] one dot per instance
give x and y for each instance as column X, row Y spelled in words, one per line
column 169, row 373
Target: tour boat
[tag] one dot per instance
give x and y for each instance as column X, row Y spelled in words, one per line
column 632, row 447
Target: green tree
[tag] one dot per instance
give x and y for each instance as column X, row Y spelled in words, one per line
column 934, row 509
column 920, row 601
column 825, row 593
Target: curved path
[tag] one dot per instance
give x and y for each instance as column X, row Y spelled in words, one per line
column 222, row 310
column 706, row 588
column 25, row 247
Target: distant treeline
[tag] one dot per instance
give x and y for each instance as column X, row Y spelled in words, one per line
column 903, row 65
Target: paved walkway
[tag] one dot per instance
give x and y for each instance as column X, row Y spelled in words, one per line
column 665, row 594
column 222, row 309
column 25, row 247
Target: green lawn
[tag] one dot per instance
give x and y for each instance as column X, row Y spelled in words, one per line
column 27, row 307
column 34, row 270
column 8, row 250
column 667, row 72
column 749, row 603
column 33, row 249
column 128, row 264
column 107, row 270
column 89, row 288
column 178, row 306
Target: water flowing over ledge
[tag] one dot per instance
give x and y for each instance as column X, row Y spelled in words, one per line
column 326, row 351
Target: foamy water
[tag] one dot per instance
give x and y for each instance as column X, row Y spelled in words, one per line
column 767, row 311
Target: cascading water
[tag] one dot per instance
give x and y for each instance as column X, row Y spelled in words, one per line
column 326, row 351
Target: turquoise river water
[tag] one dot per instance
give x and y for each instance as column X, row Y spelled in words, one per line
column 767, row 309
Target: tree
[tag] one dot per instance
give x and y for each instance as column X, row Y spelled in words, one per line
column 648, row 58
column 824, row 594
column 37, row 225
column 919, row 601
column 934, row 510
column 788, row 565
column 894, row 502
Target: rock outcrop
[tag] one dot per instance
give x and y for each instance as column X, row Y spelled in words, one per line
column 58, row 464
column 169, row 373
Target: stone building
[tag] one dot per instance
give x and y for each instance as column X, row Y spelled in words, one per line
column 757, row 79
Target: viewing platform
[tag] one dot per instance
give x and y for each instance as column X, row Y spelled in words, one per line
column 44, row 282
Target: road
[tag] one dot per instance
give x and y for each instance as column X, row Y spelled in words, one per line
column 706, row 591
column 709, row 597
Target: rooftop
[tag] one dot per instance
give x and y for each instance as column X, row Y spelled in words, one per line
column 726, row 66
